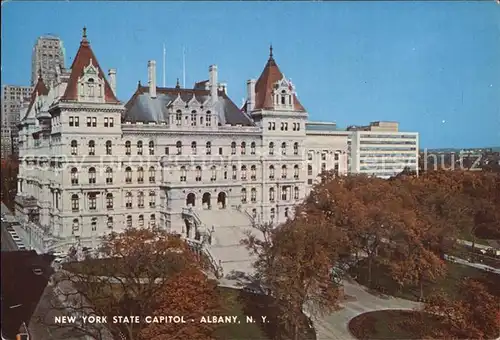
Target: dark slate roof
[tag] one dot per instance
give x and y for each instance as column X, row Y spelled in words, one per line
column 21, row 286
column 142, row 108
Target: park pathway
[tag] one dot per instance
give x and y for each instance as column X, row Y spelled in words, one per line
column 335, row 325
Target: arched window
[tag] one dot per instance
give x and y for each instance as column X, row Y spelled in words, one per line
column 140, row 175
column 309, row 170
column 109, row 201
column 295, row 148
column 253, row 172
column 273, row 213
column 193, row 148
column 233, row 148
column 178, row 118
column 271, row 172
column 283, row 171
column 296, row 171
column 128, row 200
column 92, row 175
column 235, row 172
column 74, row 176
column 213, row 170
column 243, row 195
column 109, row 175
column 208, row 118
column 74, row 147
column 208, row 147
column 152, row 221
column 76, row 225
column 253, row 195
column 283, row 148
column 178, row 145
column 252, row 148
column 141, row 221
column 243, row 148
column 129, row 221
column 75, row 203
column 91, row 148
column 128, row 175
column 152, row 174
column 198, row 173
column 296, row 193
column 183, row 174
column 128, row 148
column 108, row 147
column 110, row 222
column 271, row 148
column 140, row 199
column 243, row 173
column 284, row 193
column 271, row 195
column 152, row 199
column 151, row 147
column 193, row 118
column 139, row 147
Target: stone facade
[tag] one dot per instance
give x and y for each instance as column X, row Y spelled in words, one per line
column 91, row 164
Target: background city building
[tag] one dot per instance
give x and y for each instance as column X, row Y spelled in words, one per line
column 12, row 100
column 381, row 150
column 47, row 58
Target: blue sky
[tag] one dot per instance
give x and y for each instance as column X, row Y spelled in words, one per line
column 432, row 66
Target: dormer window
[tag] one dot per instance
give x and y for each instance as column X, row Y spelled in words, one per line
column 283, row 94
column 91, row 85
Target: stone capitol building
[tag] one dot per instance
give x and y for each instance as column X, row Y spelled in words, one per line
column 185, row 159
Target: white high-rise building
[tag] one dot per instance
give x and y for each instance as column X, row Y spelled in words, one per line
column 188, row 160
column 47, row 58
column 381, row 150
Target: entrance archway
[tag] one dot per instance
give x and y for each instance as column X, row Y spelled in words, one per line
column 191, row 199
column 206, row 201
column 221, row 200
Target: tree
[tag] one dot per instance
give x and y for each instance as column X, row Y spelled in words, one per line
column 473, row 314
column 295, row 262
column 189, row 294
column 127, row 276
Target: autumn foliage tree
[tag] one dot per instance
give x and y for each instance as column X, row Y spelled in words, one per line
column 128, row 276
column 192, row 295
column 295, row 262
column 472, row 314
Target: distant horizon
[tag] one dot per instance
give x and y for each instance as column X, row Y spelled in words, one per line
column 432, row 67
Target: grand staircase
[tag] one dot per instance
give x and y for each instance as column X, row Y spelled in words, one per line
column 226, row 228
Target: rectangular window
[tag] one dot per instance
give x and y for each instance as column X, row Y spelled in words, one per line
column 94, row 122
column 77, row 121
column 105, row 121
column 111, row 122
column 71, row 122
column 89, row 122
column 166, row 151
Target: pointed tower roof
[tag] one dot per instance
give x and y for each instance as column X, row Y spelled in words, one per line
column 264, row 86
column 39, row 90
column 83, row 58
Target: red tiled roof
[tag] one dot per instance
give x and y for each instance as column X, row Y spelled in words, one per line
column 264, row 87
column 39, row 90
column 82, row 60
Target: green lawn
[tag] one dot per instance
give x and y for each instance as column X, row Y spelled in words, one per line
column 382, row 282
column 392, row 325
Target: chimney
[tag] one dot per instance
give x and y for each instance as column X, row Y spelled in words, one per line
column 112, row 79
column 223, row 87
column 213, row 83
column 152, row 78
column 250, row 95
